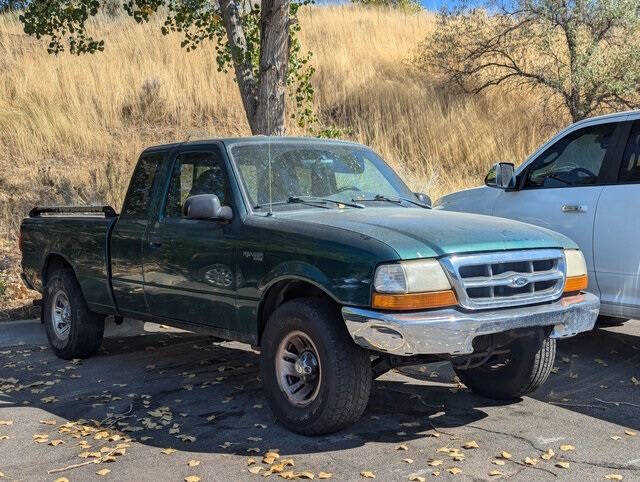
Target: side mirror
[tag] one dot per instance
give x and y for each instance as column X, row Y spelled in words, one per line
column 206, row 206
column 501, row 175
column 423, row 198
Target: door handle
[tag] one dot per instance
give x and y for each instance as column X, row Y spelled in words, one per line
column 574, row 208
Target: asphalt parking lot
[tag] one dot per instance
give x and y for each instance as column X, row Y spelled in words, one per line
column 203, row 401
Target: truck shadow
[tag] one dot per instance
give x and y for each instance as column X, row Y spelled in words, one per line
column 594, row 375
column 190, row 393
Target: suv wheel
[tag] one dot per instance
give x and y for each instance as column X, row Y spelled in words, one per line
column 73, row 330
column 317, row 380
column 510, row 376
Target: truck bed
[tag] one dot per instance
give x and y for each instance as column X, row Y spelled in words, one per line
column 64, row 235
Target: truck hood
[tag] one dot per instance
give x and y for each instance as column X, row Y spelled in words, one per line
column 425, row 233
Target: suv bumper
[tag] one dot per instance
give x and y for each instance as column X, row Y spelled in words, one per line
column 451, row 331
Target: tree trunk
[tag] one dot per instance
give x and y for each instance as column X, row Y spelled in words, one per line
column 264, row 99
column 274, row 65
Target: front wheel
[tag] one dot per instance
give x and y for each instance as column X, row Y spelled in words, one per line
column 507, row 377
column 73, row 330
column 317, row 380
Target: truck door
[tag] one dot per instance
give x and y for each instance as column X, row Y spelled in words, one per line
column 189, row 264
column 616, row 233
column 560, row 188
column 128, row 235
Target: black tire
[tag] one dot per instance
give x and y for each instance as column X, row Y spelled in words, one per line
column 344, row 374
column 85, row 328
column 529, row 364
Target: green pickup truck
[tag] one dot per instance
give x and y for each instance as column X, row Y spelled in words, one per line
column 317, row 253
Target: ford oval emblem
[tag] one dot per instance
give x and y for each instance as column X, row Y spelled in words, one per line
column 519, row 281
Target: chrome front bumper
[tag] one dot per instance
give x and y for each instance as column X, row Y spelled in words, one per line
column 451, row 331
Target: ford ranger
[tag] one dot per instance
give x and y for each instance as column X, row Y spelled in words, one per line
column 318, row 254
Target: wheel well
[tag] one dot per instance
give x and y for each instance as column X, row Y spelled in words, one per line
column 282, row 292
column 53, row 263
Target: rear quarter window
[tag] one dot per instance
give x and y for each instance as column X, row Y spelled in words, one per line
column 136, row 203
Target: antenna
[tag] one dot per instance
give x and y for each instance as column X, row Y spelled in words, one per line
column 269, row 159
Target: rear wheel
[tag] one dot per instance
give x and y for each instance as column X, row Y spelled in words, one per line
column 73, row 330
column 317, row 380
column 512, row 375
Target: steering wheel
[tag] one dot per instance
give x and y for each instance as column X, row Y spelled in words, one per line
column 347, row 188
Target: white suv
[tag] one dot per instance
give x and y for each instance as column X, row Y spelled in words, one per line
column 584, row 183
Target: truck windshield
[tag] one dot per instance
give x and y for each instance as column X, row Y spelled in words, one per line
column 288, row 172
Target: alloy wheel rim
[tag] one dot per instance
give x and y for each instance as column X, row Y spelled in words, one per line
column 61, row 315
column 298, row 368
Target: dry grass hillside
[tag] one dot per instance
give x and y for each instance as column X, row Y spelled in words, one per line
column 71, row 128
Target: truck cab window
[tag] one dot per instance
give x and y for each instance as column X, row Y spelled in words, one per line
column 196, row 173
column 137, row 199
column 630, row 167
column 574, row 160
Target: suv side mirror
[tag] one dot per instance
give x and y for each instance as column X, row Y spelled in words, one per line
column 423, row 198
column 501, row 175
column 206, row 206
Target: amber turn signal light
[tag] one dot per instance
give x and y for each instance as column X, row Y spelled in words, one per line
column 414, row 301
column 576, row 283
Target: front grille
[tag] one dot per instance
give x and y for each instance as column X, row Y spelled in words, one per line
column 511, row 278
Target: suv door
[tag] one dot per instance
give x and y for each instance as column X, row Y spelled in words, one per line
column 559, row 189
column 189, row 264
column 616, row 232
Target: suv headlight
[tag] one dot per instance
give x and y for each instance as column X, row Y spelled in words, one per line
column 412, row 285
column 577, row 279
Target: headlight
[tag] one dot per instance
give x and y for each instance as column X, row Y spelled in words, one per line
column 577, row 279
column 410, row 285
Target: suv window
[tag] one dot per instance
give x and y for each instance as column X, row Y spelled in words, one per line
column 137, row 199
column 196, row 173
column 630, row 167
column 574, row 160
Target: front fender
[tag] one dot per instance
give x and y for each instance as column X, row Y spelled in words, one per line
column 297, row 270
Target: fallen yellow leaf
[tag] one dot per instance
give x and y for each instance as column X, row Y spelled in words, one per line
column 616, row 437
column 417, row 478
column 630, row 433
column 435, row 463
column 567, row 448
column 613, row 477
column 548, row 454
column 499, row 462
column 495, row 473
column 254, row 469
column 168, row 451
column 103, row 472
column 454, row 470
column 402, row 447
column 506, row 455
column 472, row 444
column 61, row 479
column 55, row 443
column 325, row 475
column 6, row 422
column 367, row 474
column 304, row 475
column 530, row 461
column 562, row 464
column 192, row 478
column 409, row 461
column 193, row 463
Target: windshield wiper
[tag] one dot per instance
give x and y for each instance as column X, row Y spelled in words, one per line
column 312, row 199
column 380, row 197
column 319, row 202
